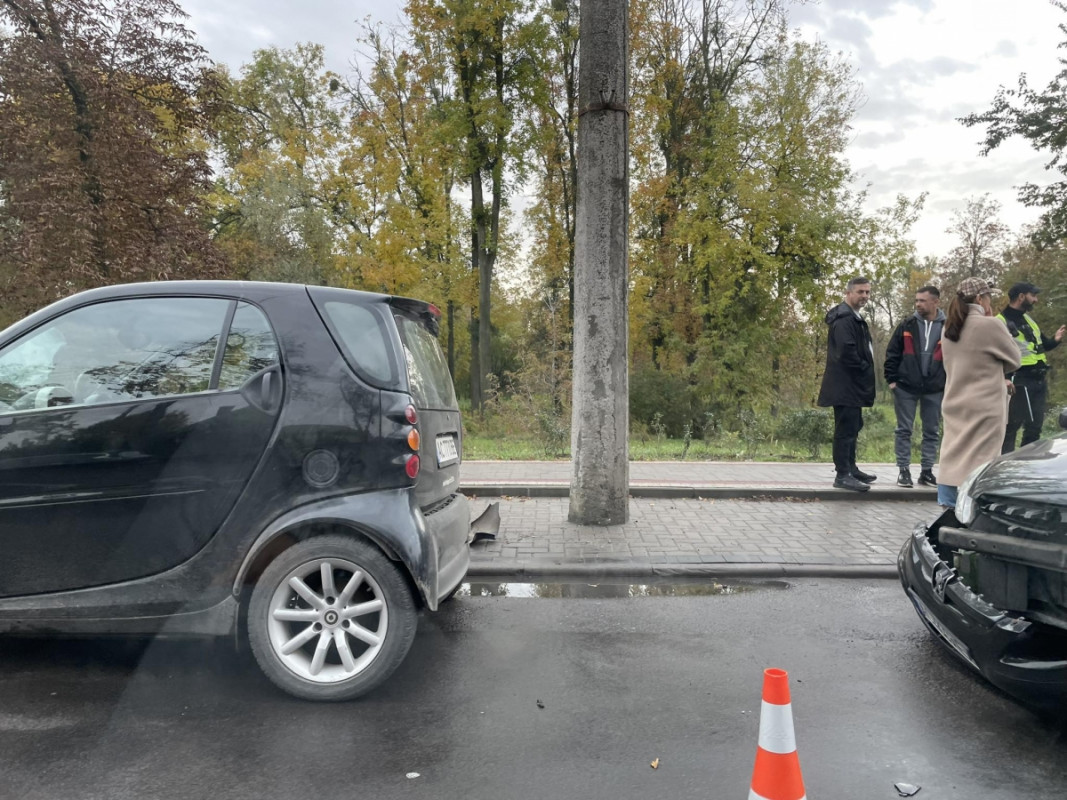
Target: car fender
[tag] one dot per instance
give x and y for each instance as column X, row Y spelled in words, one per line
column 390, row 519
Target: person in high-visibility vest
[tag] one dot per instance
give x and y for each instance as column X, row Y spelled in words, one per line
column 1027, row 409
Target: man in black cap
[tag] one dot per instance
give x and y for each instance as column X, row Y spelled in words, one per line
column 1027, row 408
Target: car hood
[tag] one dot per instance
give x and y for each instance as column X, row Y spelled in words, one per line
column 1037, row 472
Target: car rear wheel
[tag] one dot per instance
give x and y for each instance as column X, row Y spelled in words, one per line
column 330, row 618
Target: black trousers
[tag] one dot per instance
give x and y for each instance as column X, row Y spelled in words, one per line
column 1026, row 410
column 848, row 422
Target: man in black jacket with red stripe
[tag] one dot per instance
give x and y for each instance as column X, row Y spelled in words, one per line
column 916, row 374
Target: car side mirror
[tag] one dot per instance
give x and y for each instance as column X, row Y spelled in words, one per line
column 52, row 396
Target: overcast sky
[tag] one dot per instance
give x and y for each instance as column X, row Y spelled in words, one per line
column 922, row 64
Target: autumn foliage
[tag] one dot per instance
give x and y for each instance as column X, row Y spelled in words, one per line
column 102, row 157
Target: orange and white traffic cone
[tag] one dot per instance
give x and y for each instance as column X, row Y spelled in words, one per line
column 776, row 775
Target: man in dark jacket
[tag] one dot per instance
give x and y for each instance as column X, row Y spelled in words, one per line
column 916, row 374
column 848, row 383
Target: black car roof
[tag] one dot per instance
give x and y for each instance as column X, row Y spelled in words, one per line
column 253, row 291
column 249, row 289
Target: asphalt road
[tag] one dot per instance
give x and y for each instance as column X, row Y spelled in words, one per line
column 559, row 696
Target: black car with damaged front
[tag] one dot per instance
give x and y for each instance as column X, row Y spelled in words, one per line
column 217, row 458
column 989, row 578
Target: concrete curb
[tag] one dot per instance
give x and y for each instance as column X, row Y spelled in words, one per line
column 557, row 571
column 535, row 490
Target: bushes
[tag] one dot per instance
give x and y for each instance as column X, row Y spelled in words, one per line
column 663, row 402
column 535, row 426
column 809, row 427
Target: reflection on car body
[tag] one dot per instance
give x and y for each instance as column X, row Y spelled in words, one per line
column 212, row 457
column 989, row 578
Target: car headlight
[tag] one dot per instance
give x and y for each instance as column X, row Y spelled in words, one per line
column 966, row 507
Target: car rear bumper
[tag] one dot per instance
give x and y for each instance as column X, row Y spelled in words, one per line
column 1005, row 648
column 449, row 528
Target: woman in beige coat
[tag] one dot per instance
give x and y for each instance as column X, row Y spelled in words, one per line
column 978, row 352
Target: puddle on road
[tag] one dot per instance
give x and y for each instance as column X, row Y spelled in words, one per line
column 489, row 588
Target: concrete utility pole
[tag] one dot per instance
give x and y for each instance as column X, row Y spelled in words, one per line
column 600, row 421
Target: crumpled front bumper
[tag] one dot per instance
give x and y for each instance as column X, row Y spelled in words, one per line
column 1006, row 648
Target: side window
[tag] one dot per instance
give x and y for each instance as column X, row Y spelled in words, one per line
column 109, row 352
column 25, row 367
column 363, row 336
column 250, row 347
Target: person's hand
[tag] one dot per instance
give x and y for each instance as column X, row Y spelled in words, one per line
column 1011, row 387
column 893, row 386
column 1059, row 333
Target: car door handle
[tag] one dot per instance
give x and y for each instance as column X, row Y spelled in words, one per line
column 264, row 390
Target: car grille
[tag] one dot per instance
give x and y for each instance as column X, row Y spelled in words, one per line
column 1024, row 518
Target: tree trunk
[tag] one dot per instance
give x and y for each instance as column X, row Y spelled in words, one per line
column 476, row 370
column 450, row 307
column 600, row 478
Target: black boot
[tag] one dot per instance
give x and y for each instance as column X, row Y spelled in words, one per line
column 850, row 482
column 860, row 475
column 926, row 478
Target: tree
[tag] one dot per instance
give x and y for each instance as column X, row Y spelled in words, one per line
column 1041, row 118
column 694, row 63
column 782, row 232
column 890, row 260
column 395, row 177
column 982, row 237
column 102, row 158
column 743, row 214
column 553, row 137
column 484, row 45
column 276, row 143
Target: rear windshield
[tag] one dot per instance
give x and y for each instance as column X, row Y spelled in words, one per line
column 428, row 376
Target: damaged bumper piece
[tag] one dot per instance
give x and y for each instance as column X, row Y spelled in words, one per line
column 1015, row 650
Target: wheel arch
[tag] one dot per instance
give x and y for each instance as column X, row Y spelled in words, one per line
column 395, row 532
column 267, row 551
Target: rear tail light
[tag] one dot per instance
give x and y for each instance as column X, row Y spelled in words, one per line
column 411, row 467
column 412, row 463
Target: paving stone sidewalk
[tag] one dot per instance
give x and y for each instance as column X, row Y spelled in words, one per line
column 722, row 479
column 779, row 526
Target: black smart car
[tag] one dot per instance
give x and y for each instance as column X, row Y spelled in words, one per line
column 217, row 457
column 989, row 579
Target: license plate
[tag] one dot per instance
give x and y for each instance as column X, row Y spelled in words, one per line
column 446, row 450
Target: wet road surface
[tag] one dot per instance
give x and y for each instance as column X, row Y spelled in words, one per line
column 512, row 697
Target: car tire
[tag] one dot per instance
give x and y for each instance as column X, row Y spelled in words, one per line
column 319, row 636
